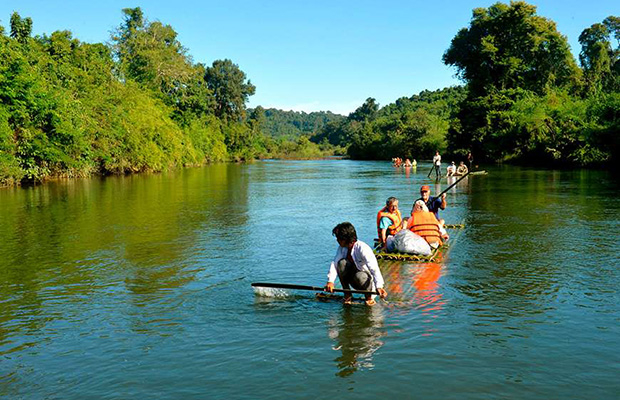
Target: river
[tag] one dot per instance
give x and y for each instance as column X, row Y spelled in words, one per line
column 139, row 287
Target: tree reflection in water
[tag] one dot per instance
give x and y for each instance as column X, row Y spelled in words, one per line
column 357, row 333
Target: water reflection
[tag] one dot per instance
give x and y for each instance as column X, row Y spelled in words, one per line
column 66, row 243
column 358, row 334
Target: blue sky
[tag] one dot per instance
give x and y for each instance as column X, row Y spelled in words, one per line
column 310, row 55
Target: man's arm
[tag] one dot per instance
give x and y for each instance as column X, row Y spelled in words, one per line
column 443, row 201
column 383, row 238
column 373, row 266
column 333, row 274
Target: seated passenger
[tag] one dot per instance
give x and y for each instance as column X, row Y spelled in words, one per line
column 424, row 223
column 462, row 169
column 389, row 221
column 451, row 169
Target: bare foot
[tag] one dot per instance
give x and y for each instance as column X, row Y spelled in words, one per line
column 370, row 302
column 348, row 300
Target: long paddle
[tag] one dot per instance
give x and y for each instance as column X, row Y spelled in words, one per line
column 313, row 288
column 431, row 171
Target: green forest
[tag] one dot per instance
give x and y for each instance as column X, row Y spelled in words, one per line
column 525, row 99
column 140, row 103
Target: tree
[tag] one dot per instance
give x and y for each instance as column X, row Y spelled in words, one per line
column 230, row 88
column 150, row 54
column 508, row 47
column 365, row 112
column 598, row 57
column 21, row 28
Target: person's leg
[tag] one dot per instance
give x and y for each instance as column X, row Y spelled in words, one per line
column 362, row 280
column 345, row 270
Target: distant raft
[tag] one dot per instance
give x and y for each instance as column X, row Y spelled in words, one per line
column 482, row 172
column 435, row 255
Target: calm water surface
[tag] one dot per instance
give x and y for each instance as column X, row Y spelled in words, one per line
column 139, row 287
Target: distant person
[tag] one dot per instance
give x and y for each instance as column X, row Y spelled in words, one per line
column 408, row 163
column 414, row 163
column 355, row 265
column 389, row 222
column 451, row 170
column 437, row 164
column 424, row 223
column 462, row 169
column 470, row 160
column 432, row 203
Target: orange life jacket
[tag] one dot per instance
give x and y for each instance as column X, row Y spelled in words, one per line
column 424, row 223
column 397, row 221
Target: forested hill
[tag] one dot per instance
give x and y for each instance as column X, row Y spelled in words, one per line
column 411, row 127
column 292, row 124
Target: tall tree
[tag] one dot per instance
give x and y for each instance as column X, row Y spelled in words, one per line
column 21, row 28
column 230, row 88
column 150, row 54
column 508, row 47
column 599, row 59
column 365, row 112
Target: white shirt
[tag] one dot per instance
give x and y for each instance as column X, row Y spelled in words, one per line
column 363, row 258
column 437, row 160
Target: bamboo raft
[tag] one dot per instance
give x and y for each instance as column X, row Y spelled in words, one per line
column 435, row 254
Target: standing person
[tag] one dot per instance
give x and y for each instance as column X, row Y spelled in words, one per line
column 389, row 222
column 355, row 265
column 432, row 203
column 470, row 160
column 437, row 164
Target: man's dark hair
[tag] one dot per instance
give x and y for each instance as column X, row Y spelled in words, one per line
column 345, row 232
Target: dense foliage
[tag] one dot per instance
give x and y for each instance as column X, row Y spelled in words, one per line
column 69, row 108
column 292, row 124
column 412, row 127
column 527, row 98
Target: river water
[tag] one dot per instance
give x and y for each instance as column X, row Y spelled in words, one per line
column 139, row 287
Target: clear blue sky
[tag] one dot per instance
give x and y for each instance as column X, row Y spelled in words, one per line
column 310, row 55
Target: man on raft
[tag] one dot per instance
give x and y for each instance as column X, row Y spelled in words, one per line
column 355, row 265
column 389, row 222
column 432, row 203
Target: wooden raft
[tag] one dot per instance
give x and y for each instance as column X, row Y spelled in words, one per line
column 383, row 255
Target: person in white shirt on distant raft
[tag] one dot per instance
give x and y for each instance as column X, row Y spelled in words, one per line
column 451, row 170
column 437, row 164
column 355, row 265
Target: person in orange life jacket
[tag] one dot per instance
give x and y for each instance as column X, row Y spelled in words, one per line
column 423, row 223
column 432, row 203
column 355, row 265
column 389, row 222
